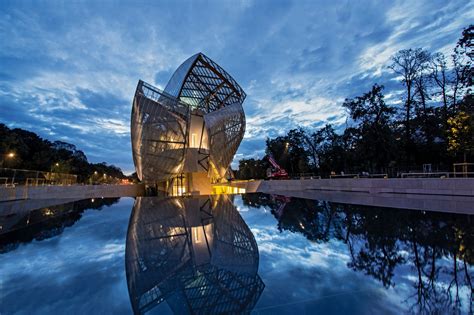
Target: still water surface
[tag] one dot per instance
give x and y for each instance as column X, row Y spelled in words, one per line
column 252, row 253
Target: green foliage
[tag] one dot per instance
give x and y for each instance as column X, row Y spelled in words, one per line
column 461, row 133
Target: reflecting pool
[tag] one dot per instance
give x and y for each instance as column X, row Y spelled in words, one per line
column 256, row 253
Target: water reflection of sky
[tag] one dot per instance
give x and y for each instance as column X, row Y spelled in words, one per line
column 303, row 277
column 82, row 270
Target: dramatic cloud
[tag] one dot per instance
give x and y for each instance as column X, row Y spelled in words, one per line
column 68, row 71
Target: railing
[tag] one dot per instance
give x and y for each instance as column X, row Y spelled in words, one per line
column 344, row 176
column 363, row 175
column 305, row 176
column 425, row 175
column 384, row 175
column 4, row 181
column 10, row 177
column 462, row 168
column 437, row 175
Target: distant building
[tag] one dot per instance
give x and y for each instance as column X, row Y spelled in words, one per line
column 185, row 137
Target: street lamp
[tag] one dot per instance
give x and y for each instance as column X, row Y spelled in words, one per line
column 7, row 156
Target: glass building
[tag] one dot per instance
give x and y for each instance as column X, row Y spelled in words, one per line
column 185, row 137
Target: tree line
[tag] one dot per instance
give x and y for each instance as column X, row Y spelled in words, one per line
column 45, row 223
column 432, row 122
column 22, row 149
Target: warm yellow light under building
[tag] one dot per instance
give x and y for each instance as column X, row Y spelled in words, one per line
column 224, row 189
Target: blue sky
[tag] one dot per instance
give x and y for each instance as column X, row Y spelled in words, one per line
column 68, row 71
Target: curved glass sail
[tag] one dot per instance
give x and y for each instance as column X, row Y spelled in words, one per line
column 203, row 84
column 176, row 81
column 197, row 254
column 226, row 128
column 158, row 130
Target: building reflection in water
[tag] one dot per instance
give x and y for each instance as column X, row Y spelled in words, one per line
column 197, row 254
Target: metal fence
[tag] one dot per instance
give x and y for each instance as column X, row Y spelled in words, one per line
column 363, row 175
column 10, row 177
column 304, row 176
column 437, row 175
column 385, row 175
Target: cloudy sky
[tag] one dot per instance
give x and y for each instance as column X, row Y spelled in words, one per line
column 68, row 71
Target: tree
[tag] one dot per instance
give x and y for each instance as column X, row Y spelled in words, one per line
column 465, row 55
column 297, row 152
column 34, row 153
column 461, row 125
column 311, row 143
column 439, row 75
column 252, row 169
column 421, row 90
column 331, row 152
column 461, row 134
column 409, row 64
column 289, row 151
column 372, row 115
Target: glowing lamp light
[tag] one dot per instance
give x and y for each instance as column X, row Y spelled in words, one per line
column 181, row 191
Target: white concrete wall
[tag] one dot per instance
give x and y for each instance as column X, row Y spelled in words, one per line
column 429, row 186
column 430, row 194
column 74, row 191
column 195, row 127
column 442, row 203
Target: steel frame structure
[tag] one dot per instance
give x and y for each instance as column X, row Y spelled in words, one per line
column 161, row 121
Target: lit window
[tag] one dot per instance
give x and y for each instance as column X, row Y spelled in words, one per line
column 196, row 235
column 193, row 140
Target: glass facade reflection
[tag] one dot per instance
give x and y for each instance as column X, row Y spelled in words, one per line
column 197, row 254
column 193, row 128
